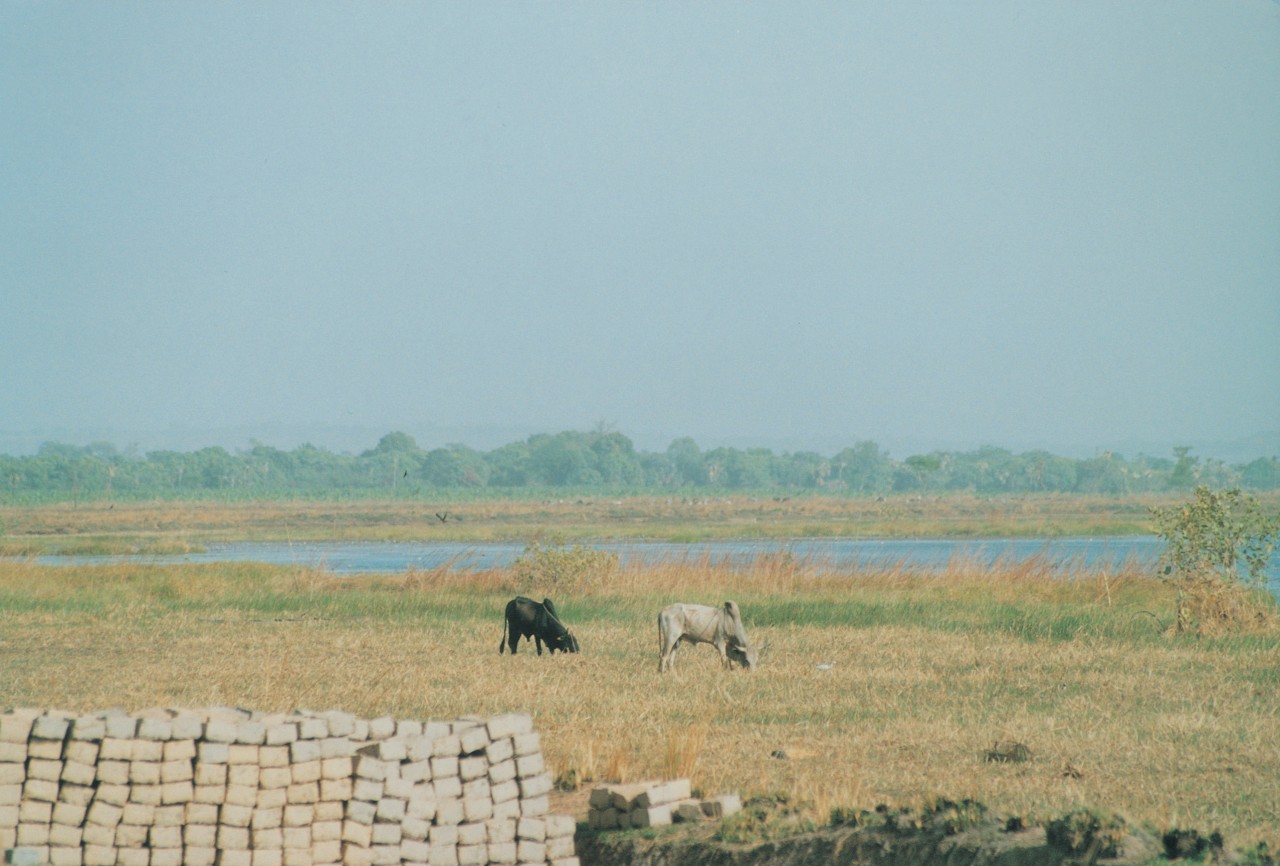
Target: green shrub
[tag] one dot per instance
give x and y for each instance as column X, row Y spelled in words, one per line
column 548, row 567
column 1086, row 832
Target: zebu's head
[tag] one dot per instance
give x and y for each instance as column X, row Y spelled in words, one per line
column 567, row 643
column 745, row 656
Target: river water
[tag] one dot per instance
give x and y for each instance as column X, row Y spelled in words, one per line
column 375, row 557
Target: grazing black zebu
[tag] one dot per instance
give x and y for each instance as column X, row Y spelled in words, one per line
column 527, row 618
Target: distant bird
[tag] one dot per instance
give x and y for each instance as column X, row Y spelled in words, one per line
column 825, row 666
column 442, row 517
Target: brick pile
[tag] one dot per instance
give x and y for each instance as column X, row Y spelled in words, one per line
column 226, row 787
column 654, row 804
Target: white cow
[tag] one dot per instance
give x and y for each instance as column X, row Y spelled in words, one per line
column 699, row 623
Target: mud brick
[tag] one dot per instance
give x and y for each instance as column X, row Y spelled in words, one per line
column 267, row 857
column 304, row 773
column 368, row 767
column 80, row 795
column 384, row 855
column 340, row 724
column 422, row 808
column 138, row 813
column 33, row 835
column 120, row 726
column 327, row 851
column 530, row 765
column 166, row 857
column 233, row 838
column 299, row 815
column 199, row 813
column 507, row 809
column 390, row 809
column 415, row 851
column 200, row 835
column 49, row 726
column 502, row 853
column 443, row 855
column 44, row 768
column 367, row 790
column 527, row 743
column 187, row 727
column 536, row 786
column 105, row 814
column 473, row 855
column 281, row 733
column 271, row 798
column 473, row 740
column 361, row 812
column 620, row 797
column 48, row 749
column 10, row 795
column 527, row 850
column 133, row 857
column 418, row 748
column 447, row 788
column 722, row 806
column 473, row 768
column 449, row 811
column 448, row 746
column 66, row 856
column 99, row 855
column 215, row 794
column 242, row 753
column 39, row 789
column 652, row 816
column 444, row 766
column 336, row 747
column 267, row 819
column 97, row 834
column 243, row 774
column 312, row 728
column 35, row 812
column 114, row 749
column 335, row 790
column 504, row 791
column 326, row 831
column 251, row 733
column 477, row 789
column 144, row 773
column 130, row 835
column 219, row 731
column 12, row 773
column 117, row 795
column 81, row 752
column 382, row 728
column 689, row 811
column 416, row 771
column 213, row 753
column 534, row 807
column 335, row 768
column 15, row 725
column 199, row 855
column 275, row 777
column 235, row 816
column 155, row 729
column 531, row 828
column 268, row 838
column 386, row 834
column 242, row 795
column 145, row 794
column 165, row 837
column 560, row 847
column 357, row 833
column 661, row 794
column 297, row 837
column 559, row 826
column 91, row 728
column 8, row 819
column 509, row 725
column 234, row 857
column 146, row 751
column 330, row 810
column 477, row 808
column 209, row 774
column 112, row 772
column 500, row 750
column 414, row 828
column 565, row 861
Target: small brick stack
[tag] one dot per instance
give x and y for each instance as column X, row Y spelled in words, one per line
column 654, row 804
column 224, row 787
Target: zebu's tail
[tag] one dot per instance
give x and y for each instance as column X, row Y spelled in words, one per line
column 503, row 642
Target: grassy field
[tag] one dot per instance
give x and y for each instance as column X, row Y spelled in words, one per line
column 927, row 673
column 106, row 527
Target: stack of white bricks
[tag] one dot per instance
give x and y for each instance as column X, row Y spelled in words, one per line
column 654, row 804
column 224, row 787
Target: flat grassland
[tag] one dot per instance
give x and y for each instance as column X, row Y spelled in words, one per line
column 116, row 527
column 881, row 686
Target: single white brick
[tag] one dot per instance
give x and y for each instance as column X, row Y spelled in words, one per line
column 509, row 725
column 155, row 729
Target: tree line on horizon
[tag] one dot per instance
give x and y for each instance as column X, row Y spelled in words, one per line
column 591, row 461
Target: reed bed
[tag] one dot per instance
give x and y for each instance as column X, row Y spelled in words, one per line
column 879, row 686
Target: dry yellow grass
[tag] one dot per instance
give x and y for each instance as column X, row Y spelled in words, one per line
column 1118, row 717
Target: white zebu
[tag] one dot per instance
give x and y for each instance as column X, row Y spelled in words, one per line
column 699, row 623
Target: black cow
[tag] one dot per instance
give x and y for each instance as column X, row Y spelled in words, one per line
column 527, row 618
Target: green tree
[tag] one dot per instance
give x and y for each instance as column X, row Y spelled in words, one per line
column 1184, row 470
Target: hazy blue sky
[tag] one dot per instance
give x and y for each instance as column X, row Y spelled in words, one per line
column 795, row 225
